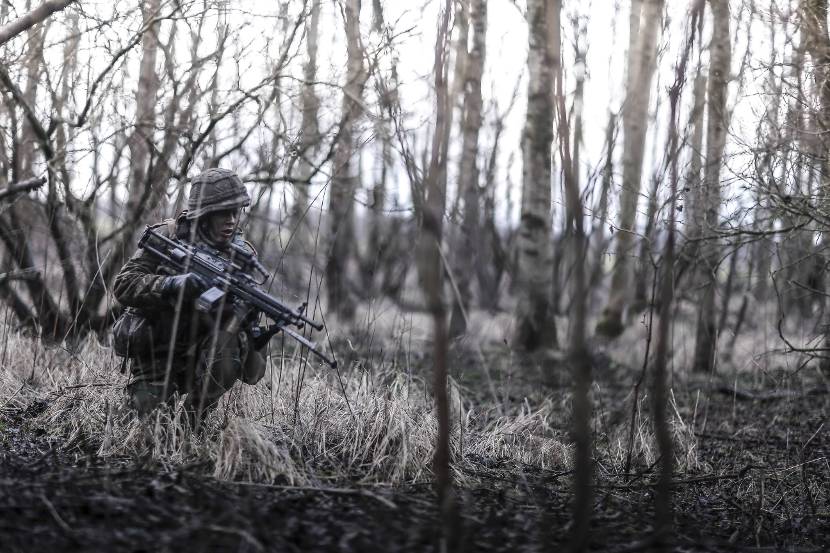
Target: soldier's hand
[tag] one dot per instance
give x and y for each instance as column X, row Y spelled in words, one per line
column 190, row 285
column 262, row 335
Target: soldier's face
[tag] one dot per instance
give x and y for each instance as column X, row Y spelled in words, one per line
column 221, row 225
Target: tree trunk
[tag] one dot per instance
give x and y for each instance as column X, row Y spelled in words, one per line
column 492, row 260
column 601, row 211
column 694, row 184
column 344, row 180
column 534, row 321
column 645, row 24
column 578, row 357
column 717, row 124
column 29, row 143
column 15, row 223
column 142, row 137
column 309, row 136
column 381, row 240
column 468, row 172
column 814, row 15
column 431, row 206
column 643, row 284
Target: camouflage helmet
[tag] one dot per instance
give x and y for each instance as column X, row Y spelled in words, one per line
column 216, row 190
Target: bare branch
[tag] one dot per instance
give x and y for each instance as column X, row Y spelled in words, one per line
column 24, row 186
column 8, row 32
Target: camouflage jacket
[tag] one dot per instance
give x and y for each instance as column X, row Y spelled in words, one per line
column 139, row 284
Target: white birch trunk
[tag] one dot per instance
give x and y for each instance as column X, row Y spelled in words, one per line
column 468, row 172
column 534, row 321
column 641, row 65
column 717, row 122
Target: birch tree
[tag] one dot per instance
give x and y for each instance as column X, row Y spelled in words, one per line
column 534, row 321
column 717, row 122
column 645, row 23
column 468, row 171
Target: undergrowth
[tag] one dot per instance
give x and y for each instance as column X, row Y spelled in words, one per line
column 304, row 425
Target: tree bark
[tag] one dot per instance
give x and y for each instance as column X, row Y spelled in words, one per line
column 37, row 15
column 601, row 211
column 309, row 136
column 642, row 56
column 694, row 185
column 492, row 260
column 468, row 172
column 29, row 142
column 431, row 205
column 814, row 15
column 717, row 123
column 579, row 358
column 535, row 326
column 344, row 181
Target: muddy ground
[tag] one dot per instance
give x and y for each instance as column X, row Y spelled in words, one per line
column 762, row 486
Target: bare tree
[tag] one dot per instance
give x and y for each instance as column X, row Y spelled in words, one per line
column 468, row 172
column 579, row 358
column 344, row 181
column 717, row 122
column 535, row 326
column 645, row 19
column 83, row 225
column 309, row 127
column 600, row 215
column 492, row 258
column 142, row 138
column 817, row 40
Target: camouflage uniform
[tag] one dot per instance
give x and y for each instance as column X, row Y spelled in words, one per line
column 199, row 360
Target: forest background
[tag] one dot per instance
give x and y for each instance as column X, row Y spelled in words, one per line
column 624, row 198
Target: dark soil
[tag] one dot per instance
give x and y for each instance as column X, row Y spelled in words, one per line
column 764, row 487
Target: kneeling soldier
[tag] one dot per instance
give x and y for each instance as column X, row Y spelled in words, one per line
column 188, row 351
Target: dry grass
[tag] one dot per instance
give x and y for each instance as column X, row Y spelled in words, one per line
column 286, row 429
column 297, row 426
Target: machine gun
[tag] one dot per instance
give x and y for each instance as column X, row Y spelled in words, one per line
column 232, row 280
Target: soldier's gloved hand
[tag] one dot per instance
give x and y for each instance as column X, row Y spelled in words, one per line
column 190, row 285
column 262, row 335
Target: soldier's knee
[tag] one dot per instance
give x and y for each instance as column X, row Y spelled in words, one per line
column 223, row 361
column 254, row 367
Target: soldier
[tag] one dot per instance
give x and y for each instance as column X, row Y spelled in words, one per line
column 186, row 351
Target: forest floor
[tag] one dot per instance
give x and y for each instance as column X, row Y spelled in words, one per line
column 759, row 483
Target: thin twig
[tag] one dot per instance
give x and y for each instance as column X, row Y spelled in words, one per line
column 52, row 511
